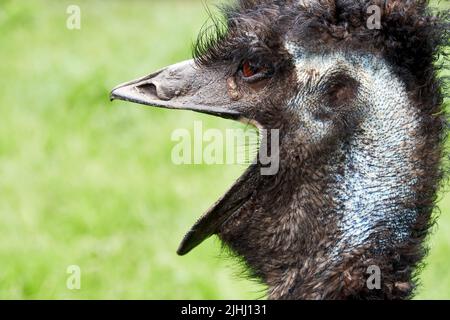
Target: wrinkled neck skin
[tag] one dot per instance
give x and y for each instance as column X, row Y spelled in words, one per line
column 375, row 183
column 312, row 231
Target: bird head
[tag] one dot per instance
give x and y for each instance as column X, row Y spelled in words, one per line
column 304, row 68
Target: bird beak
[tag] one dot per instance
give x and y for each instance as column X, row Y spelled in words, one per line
column 180, row 86
column 185, row 86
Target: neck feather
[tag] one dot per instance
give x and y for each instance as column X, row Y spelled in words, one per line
column 314, row 230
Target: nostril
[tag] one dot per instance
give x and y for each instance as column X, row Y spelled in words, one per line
column 148, row 89
column 155, row 90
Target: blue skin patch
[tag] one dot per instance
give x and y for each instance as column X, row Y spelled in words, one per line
column 375, row 180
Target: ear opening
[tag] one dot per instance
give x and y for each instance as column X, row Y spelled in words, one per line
column 341, row 90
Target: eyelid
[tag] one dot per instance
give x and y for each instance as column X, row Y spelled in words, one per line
column 254, row 78
column 264, row 74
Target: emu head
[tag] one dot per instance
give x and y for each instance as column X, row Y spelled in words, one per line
column 357, row 109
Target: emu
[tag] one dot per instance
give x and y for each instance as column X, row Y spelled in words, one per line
column 362, row 126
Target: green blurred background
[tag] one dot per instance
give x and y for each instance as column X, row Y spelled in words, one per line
column 90, row 183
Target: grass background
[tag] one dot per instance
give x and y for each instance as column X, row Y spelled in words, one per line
column 89, row 183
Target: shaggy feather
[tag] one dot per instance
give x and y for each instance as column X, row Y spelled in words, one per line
column 293, row 256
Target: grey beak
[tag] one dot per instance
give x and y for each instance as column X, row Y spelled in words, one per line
column 186, row 87
column 180, row 86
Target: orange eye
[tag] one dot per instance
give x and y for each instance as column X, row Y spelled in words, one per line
column 253, row 73
column 247, row 70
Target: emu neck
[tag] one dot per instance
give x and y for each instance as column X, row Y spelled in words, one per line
column 312, row 231
column 374, row 185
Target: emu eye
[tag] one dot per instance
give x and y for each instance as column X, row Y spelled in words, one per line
column 248, row 70
column 251, row 72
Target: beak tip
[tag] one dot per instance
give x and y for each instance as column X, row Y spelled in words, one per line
column 112, row 95
column 118, row 93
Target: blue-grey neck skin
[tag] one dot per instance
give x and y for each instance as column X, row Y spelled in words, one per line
column 377, row 180
column 373, row 178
